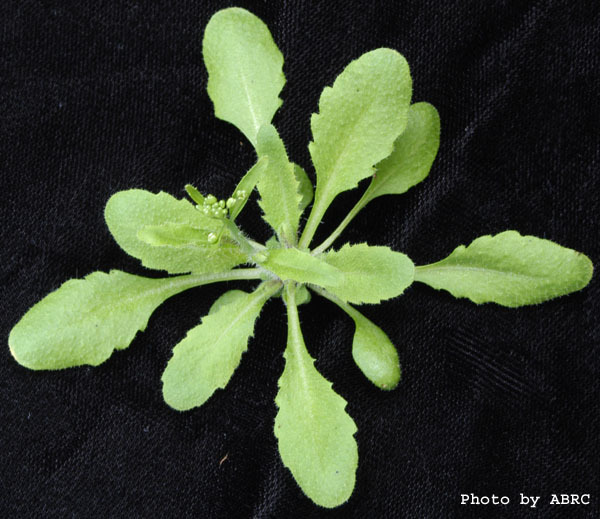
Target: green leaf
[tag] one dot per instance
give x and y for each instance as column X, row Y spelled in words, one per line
column 359, row 119
column 205, row 360
column 371, row 274
column 305, row 187
column 194, row 194
column 413, row 155
column 247, row 185
column 244, row 70
column 231, row 296
column 273, row 243
column 84, row 320
column 315, row 434
column 294, row 264
column 374, row 353
column 303, row 295
column 129, row 212
column 184, row 237
column 278, row 186
column 509, row 269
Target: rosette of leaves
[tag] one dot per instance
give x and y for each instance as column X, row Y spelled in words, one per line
column 366, row 127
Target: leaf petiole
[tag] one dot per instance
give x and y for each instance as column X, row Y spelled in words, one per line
column 364, row 200
column 246, row 245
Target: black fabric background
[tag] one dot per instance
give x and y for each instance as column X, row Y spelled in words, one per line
column 99, row 96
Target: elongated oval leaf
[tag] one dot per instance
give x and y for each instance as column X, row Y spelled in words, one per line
column 128, row 212
column 371, row 273
column 294, row 264
column 84, row 320
column 205, row 360
column 509, row 269
column 194, row 194
column 314, row 432
column 246, row 185
column 244, row 67
column 359, row 119
column 372, row 350
column 413, row 155
column 278, row 187
column 374, row 353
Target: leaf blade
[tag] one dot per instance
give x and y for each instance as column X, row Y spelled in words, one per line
column 372, row 350
column 84, row 320
column 305, row 187
column 247, row 185
column 414, row 152
column 371, row 273
column 206, row 358
column 296, row 265
column 278, row 186
column 128, row 212
column 244, row 66
column 315, row 434
column 509, row 269
column 359, row 119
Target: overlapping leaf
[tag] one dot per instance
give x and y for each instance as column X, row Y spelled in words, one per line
column 305, row 187
column 129, row 212
column 413, row 155
column 294, row 264
column 359, row 119
column 371, row 273
column 247, row 184
column 278, row 186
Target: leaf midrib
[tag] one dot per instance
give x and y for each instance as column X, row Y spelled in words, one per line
column 426, row 268
column 299, row 351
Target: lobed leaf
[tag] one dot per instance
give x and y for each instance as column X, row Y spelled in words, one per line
column 205, row 360
column 244, row 67
column 294, row 264
column 414, row 152
column 278, row 186
column 371, row 273
column 359, row 119
column 129, row 212
column 314, row 432
column 84, row 320
column 509, row 269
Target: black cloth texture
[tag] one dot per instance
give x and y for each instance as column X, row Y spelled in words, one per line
column 101, row 96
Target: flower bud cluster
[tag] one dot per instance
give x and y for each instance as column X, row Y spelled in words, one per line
column 215, row 208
